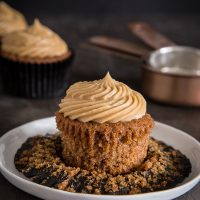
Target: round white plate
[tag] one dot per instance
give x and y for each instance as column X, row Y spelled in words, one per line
column 12, row 140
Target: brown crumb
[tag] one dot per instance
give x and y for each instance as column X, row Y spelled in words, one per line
column 40, row 159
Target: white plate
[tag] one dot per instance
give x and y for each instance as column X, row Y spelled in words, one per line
column 12, row 140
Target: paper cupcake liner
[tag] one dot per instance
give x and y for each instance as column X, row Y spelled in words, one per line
column 34, row 80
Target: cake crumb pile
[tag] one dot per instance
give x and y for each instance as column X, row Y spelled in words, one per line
column 40, row 159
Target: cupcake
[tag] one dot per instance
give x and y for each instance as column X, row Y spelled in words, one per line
column 34, row 62
column 104, row 126
column 10, row 20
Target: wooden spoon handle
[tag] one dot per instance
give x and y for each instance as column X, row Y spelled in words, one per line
column 118, row 45
column 149, row 35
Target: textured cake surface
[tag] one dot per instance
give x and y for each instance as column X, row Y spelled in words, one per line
column 116, row 148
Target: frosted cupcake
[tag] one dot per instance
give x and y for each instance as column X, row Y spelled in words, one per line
column 10, row 19
column 104, row 126
column 35, row 62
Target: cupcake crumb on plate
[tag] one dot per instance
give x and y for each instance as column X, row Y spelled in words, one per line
column 40, row 160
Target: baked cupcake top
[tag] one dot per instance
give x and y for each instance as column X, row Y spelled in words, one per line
column 37, row 41
column 104, row 100
column 10, row 19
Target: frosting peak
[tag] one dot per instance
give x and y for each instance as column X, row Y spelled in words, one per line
column 10, row 19
column 37, row 41
column 104, row 100
column 38, row 29
column 108, row 77
column 108, row 80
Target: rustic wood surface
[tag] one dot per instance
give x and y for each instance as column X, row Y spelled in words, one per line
column 92, row 63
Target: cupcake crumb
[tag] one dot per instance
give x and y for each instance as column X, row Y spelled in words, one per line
column 40, row 159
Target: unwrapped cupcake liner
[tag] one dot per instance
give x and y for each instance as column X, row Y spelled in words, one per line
column 34, row 80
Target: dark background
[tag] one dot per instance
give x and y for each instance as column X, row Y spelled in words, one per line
column 108, row 14
column 103, row 7
column 75, row 21
column 117, row 11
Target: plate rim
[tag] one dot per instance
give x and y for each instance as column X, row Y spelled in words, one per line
column 150, row 194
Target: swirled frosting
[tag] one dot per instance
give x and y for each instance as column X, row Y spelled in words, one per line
column 10, row 19
column 37, row 41
column 104, row 100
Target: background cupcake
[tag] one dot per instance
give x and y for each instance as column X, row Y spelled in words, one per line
column 104, row 126
column 10, row 19
column 34, row 62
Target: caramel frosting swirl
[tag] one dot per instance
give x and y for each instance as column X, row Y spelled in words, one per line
column 37, row 41
column 10, row 19
column 104, row 100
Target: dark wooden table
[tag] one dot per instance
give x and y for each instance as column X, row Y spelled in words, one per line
column 92, row 64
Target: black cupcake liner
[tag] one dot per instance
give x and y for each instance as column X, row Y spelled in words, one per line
column 34, row 80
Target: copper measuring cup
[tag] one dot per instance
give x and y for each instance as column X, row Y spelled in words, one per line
column 171, row 74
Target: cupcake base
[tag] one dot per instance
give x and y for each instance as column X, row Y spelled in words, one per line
column 116, row 148
column 34, row 80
